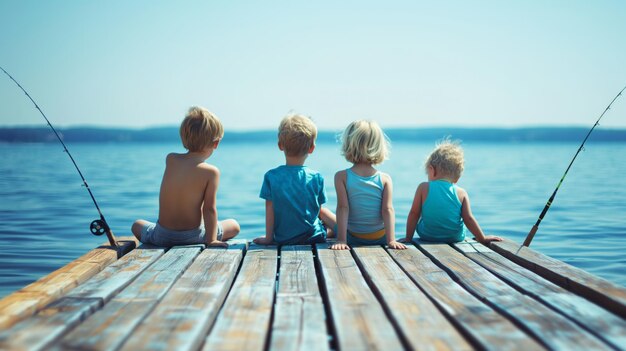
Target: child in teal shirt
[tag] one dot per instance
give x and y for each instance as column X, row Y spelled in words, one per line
column 294, row 193
column 441, row 209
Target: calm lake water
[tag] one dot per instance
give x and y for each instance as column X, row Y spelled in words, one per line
column 45, row 212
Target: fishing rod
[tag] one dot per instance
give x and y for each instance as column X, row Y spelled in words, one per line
column 535, row 227
column 98, row 226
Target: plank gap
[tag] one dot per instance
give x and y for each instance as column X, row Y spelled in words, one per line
column 471, row 338
column 268, row 336
column 381, row 300
column 485, row 300
column 605, row 325
column 321, row 283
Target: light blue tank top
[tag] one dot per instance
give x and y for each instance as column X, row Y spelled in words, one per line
column 441, row 214
column 365, row 198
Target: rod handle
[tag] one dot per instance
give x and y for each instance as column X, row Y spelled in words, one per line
column 111, row 238
column 530, row 235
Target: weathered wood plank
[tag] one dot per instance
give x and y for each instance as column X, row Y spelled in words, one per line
column 421, row 323
column 551, row 328
column 109, row 327
column 244, row 320
column 118, row 275
column 598, row 290
column 187, row 312
column 359, row 319
column 485, row 327
column 56, row 319
column 299, row 321
column 30, row 299
column 603, row 324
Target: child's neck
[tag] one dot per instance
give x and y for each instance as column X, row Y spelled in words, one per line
column 435, row 174
column 364, row 169
column 443, row 178
column 295, row 160
column 200, row 155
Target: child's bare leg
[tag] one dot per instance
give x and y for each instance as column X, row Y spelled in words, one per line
column 137, row 226
column 330, row 221
column 230, row 229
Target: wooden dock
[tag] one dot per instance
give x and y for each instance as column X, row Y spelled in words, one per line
column 463, row 296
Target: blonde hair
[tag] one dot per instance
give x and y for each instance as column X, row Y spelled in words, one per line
column 364, row 141
column 200, row 129
column 297, row 134
column 447, row 158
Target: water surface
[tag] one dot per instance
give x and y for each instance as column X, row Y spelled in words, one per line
column 45, row 211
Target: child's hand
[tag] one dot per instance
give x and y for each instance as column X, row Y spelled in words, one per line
column 263, row 241
column 490, row 238
column 396, row 245
column 217, row 243
column 340, row 245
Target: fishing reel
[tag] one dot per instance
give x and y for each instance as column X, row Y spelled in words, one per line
column 98, row 227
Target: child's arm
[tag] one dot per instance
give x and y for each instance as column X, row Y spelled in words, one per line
column 209, row 208
column 269, row 225
column 470, row 221
column 330, row 221
column 389, row 215
column 343, row 209
column 415, row 213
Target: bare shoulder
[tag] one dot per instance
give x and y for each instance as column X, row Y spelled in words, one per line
column 385, row 178
column 422, row 189
column 461, row 194
column 209, row 170
column 340, row 175
column 171, row 157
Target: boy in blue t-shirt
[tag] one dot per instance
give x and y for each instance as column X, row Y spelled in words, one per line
column 294, row 193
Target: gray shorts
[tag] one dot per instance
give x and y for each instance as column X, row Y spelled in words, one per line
column 155, row 234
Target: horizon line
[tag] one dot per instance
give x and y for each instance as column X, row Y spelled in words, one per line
column 262, row 129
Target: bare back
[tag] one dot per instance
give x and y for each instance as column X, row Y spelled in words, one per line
column 183, row 190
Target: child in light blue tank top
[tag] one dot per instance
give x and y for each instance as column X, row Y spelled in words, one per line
column 365, row 214
column 441, row 210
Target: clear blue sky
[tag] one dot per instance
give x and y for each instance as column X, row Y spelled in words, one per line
column 403, row 63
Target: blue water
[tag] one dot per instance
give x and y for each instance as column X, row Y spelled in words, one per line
column 45, row 212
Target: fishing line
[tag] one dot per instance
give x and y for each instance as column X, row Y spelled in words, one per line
column 535, row 227
column 98, row 226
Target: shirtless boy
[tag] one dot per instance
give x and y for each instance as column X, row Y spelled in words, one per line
column 187, row 200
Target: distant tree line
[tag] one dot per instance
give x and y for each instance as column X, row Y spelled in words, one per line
column 170, row 134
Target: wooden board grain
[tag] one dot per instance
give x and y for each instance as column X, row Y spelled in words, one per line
column 187, row 312
column 486, row 328
column 57, row 318
column 605, row 325
column 33, row 297
column 109, row 327
column 437, row 297
column 549, row 327
column 359, row 319
column 299, row 320
column 598, row 290
column 244, row 321
column 422, row 324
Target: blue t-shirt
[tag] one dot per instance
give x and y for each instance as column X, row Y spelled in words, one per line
column 441, row 214
column 297, row 194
